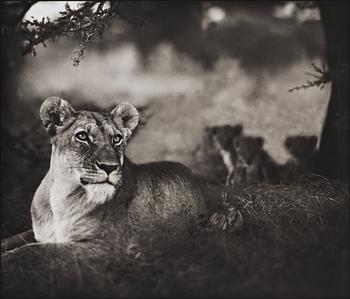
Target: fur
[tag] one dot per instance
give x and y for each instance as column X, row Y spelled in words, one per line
column 223, row 137
column 254, row 164
column 81, row 209
column 303, row 150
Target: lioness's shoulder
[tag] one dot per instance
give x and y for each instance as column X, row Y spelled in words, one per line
column 162, row 166
column 165, row 171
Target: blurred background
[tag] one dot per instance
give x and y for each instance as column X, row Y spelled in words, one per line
column 233, row 63
column 188, row 66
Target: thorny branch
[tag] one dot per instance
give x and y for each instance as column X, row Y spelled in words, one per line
column 85, row 21
column 321, row 77
column 89, row 20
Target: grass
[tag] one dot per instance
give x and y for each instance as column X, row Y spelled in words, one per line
column 293, row 243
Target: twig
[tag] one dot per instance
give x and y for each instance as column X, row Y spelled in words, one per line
column 84, row 21
column 321, row 78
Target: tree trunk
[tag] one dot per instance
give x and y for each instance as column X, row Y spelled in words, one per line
column 332, row 160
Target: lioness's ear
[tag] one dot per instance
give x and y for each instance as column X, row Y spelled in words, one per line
column 56, row 114
column 126, row 117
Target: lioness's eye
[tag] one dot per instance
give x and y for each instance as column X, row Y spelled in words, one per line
column 117, row 139
column 82, row 136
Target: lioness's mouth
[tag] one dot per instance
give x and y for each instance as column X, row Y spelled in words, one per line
column 84, row 182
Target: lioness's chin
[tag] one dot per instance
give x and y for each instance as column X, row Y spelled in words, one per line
column 99, row 192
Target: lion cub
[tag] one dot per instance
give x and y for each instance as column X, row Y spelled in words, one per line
column 303, row 149
column 223, row 137
column 253, row 164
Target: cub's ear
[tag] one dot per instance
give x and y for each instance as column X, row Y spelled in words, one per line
column 211, row 130
column 288, row 142
column 260, row 141
column 56, row 114
column 237, row 129
column 313, row 142
column 126, row 117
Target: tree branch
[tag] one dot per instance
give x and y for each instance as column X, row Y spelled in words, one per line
column 88, row 21
column 321, row 77
column 12, row 13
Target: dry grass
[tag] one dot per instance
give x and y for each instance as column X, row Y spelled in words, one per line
column 293, row 244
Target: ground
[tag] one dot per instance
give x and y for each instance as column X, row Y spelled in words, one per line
column 293, row 243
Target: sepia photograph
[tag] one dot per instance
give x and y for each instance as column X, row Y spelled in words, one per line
column 161, row 149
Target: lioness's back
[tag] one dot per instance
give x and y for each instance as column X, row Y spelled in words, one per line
column 165, row 192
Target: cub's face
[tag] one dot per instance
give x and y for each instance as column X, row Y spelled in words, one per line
column 223, row 136
column 88, row 147
column 248, row 148
column 301, row 147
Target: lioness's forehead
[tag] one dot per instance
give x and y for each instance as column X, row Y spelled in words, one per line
column 95, row 122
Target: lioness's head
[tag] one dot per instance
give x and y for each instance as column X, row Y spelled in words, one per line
column 88, row 147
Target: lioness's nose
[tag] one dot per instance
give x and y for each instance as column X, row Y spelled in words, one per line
column 108, row 168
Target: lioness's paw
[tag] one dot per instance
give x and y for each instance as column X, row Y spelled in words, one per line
column 230, row 220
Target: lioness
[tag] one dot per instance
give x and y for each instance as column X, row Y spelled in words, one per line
column 94, row 200
column 91, row 185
